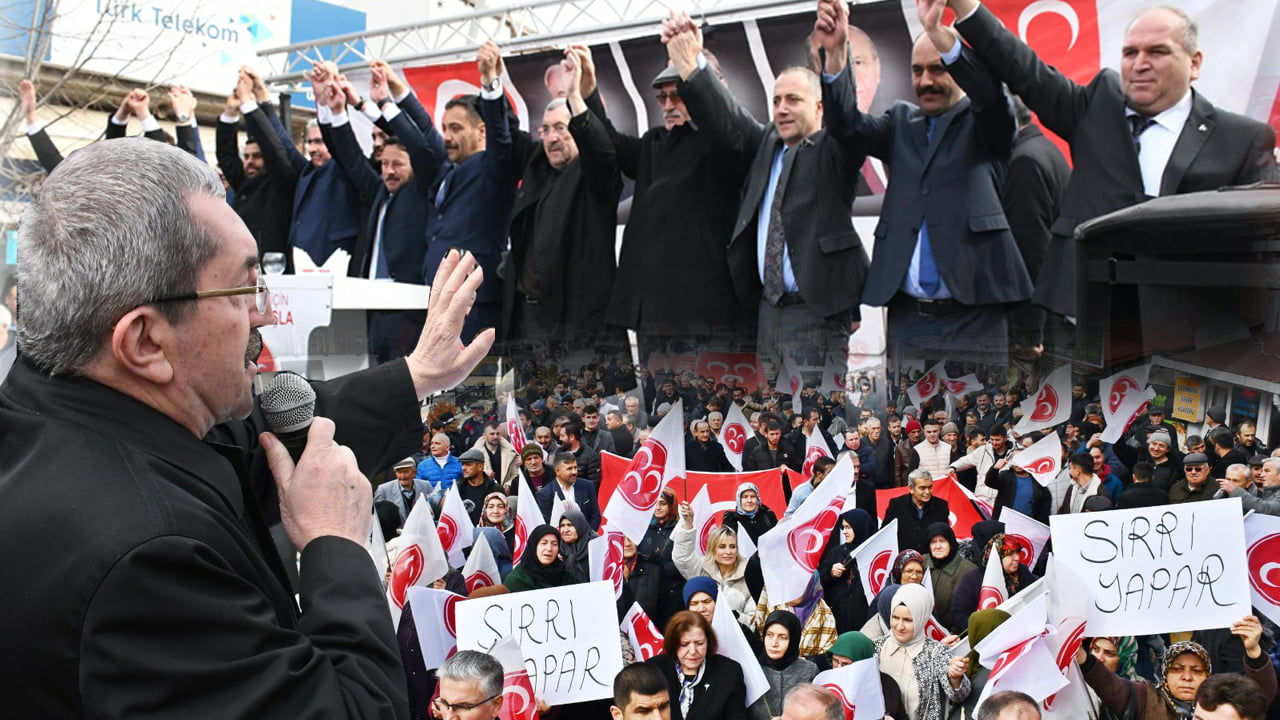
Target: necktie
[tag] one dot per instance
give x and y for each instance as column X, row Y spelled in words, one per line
column 1138, row 124
column 775, row 240
column 929, row 281
column 380, row 267
column 873, row 180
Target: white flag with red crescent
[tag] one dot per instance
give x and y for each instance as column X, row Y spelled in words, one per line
column 1049, row 405
column 1018, row 656
column 1125, row 395
column 454, row 527
column 481, row 569
column 658, row 461
column 733, row 435
column 789, row 553
column 604, row 559
column 1030, row 534
column 993, row 591
column 707, row 516
column 528, row 516
column 814, row 448
column 959, row 387
column 929, row 384
column 515, row 432
column 790, row 382
column 645, row 637
column 1067, row 607
column 858, row 688
column 433, row 616
column 1043, row 459
column 518, row 700
column 875, row 558
column 732, row 644
column 1262, row 543
column 419, row 561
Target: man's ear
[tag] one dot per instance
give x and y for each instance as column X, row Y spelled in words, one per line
column 141, row 342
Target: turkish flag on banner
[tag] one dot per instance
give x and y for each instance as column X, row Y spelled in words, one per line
column 707, row 516
column 928, row 385
column 643, row 634
column 1050, row 405
column 720, row 486
column 481, row 569
column 742, row 367
column 875, row 558
column 518, row 700
column 993, row 591
column 789, row 553
column 528, row 516
column 433, row 615
column 790, row 382
column 454, row 527
column 515, row 432
column 1043, row 459
column 604, row 557
column 733, row 435
column 1030, row 535
column 858, row 687
column 1262, row 540
column 814, row 448
column 1018, row 655
column 420, row 560
column 658, row 462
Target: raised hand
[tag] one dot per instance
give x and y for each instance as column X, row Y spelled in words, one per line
column 489, row 61
column 930, row 12
column 440, row 361
column 260, row 94
column 27, row 98
column 183, row 102
column 244, row 88
column 378, row 84
column 396, row 85
column 683, row 46
column 139, row 103
column 831, row 30
column 324, row 494
column 1249, row 630
column 582, row 53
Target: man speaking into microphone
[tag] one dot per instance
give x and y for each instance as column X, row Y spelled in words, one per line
column 141, row 579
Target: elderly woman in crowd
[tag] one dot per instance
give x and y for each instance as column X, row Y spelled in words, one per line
column 781, row 662
column 722, row 562
column 1182, row 668
column 946, row 568
column 540, row 565
column 750, row 515
column 927, row 675
column 818, row 625
column 702, row 684
column 908, row 568
column 575, row 535
column 841, row 579
column 1016, row 577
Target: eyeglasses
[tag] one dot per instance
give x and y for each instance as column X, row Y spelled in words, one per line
column 662, row 98
column 1196, row 468
column 442, row 705
column 261, row 296
column 557, row 129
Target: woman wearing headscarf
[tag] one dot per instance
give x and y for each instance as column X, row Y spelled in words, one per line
column 540, row 565
column 702, row 685
column 981, row 623
column 946, row 567
column 852, row 647
column 722, row 562
column 495, row 512
column 838, row 570
column 908, row 568
column 783, row 667
column 818, row 625
column 750, row 515
column 1182, row 668
column 575, row 534
column 927, row 675
column 1016, row 577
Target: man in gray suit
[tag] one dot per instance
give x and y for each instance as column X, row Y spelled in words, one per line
column 1142, row 133
column 945, row 262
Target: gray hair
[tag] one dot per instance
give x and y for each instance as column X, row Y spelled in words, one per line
column 811, row 79
column 917, row 474
column 313, row 124
column 832, row 708
column 110, row 230
column 556, row 104
column 1189, row 38
column 1274, row 462
column 472, row 665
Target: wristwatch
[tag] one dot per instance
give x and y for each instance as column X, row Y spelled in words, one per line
column 494, row 85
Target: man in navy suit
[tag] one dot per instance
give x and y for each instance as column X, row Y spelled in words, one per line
column 568, row 486
column 945, row 262
column 326, row 208
column 1142, row 133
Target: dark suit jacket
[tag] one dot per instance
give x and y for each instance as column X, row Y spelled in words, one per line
column 721, row 695
column 264, row 203
column 911, row 528
column 1034, row 186
column 404, row 231
column 584, row 494
column 952, row 181
column 1005, row 483
column 821, row 174
column 1216, row 148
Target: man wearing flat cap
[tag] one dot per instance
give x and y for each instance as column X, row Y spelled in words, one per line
column 402, row 492
column 1195, row 485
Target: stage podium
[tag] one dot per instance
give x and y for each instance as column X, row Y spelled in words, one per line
column 320, row 330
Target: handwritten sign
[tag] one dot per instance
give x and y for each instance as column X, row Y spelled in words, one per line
column 568, row 636
column 1168, row 568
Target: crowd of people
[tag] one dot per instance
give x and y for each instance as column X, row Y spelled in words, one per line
column 181, row 603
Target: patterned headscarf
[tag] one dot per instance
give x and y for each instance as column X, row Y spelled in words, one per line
column 1180, row 708
column 905, row 557
column 743, row 488
column 1005, row 546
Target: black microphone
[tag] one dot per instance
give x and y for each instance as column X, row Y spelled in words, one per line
column 289, row 404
